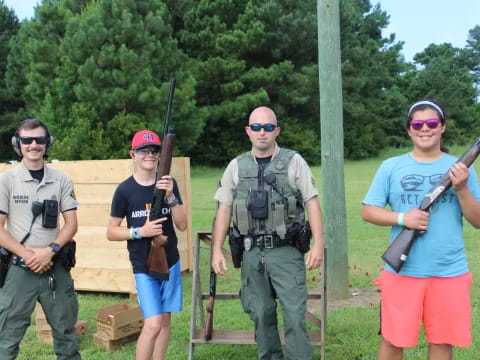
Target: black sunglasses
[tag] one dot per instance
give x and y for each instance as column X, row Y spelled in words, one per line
column 27, row 140
column 147, row 151
column 267, row 127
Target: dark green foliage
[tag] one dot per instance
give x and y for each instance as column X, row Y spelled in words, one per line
column 103, row 73
column 97, row 71
column 9, row 26
column 246, row 55
column 447, row 77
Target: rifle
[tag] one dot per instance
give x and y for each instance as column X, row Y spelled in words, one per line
column 397, row 252
column 213, row 289
column 157, row 264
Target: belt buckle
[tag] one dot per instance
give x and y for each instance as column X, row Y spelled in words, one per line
column 268, row 241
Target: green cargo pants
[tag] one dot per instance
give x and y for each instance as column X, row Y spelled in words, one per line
column 281, row 277
column 22, row 289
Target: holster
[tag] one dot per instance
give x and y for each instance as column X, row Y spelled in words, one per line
column 299, row 235
column 235, row 240
column 4, row 264
column 304, row 238
column 66, row 256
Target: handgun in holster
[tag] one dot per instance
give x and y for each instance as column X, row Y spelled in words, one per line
column 235, row 240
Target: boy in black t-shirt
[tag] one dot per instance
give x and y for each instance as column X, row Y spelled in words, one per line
column 133, row 200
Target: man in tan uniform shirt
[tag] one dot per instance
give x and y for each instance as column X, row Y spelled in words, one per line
column 35, row 274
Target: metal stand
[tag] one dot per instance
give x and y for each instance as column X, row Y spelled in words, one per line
column 244, row 336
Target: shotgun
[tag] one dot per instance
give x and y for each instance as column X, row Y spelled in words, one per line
column 157, row 263
column 213, row 289
column 397, row 252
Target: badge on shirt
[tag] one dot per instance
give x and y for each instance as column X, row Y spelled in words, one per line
column 279, row 164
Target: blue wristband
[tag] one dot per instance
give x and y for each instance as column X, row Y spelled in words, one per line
column 136, row 233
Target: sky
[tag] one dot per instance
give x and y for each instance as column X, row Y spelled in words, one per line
column 418, row 23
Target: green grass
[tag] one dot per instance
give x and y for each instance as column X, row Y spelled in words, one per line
column 351, row 332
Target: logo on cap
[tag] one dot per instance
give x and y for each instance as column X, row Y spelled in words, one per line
column 148, row 136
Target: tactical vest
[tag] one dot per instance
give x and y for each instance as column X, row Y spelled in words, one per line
column 285, row 205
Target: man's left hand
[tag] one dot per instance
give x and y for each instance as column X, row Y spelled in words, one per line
column 41, row 260
column 315, row 256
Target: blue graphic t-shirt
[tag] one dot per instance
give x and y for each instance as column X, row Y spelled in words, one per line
column 402, row 182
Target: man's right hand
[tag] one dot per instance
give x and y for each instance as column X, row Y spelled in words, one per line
column 219, row 263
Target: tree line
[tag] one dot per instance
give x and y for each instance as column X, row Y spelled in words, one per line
column 95, row 71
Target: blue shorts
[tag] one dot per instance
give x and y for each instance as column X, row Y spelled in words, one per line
column 159, row 296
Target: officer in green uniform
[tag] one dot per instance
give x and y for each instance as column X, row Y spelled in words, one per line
column 31, row 198
column 264, row 192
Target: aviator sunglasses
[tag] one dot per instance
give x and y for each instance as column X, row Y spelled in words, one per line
column 267, row 127
column 147, row 151
column 27, row 140
column 418, row 124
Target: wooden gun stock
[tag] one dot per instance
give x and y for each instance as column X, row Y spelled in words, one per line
column 213, row 288
column 210, row 306
column 397, row 253
column 157, row 264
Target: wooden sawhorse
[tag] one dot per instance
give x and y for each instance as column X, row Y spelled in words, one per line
column 244, row 337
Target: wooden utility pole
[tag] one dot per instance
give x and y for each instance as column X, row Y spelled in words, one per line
column 331, row 128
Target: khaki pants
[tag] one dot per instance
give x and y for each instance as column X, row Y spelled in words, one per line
column 18, row 296
column 282, row 278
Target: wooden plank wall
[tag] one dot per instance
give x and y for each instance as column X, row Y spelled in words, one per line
column 103, row 265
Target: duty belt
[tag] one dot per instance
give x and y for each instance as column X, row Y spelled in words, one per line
column 17, row 260
column 268, row 241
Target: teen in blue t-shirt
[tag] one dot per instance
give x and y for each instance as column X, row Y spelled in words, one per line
column 433, row 284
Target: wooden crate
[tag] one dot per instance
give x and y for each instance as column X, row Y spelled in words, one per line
column 118, row 321
column 104, row 265
column 117, row 332
column 110, row 345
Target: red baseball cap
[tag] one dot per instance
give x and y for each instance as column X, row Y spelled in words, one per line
column 144, row 138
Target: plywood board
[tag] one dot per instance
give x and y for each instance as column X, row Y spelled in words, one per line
column 104, row 265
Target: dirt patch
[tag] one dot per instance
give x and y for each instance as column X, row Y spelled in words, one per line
column 363, row 297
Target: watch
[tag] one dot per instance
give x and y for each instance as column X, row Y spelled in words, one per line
column 171, row 203
column 55, row 247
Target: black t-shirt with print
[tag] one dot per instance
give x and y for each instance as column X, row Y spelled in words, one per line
column 133, row 201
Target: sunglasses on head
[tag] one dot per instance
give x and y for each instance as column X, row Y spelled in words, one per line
column 147, row 151
column 27, row 140
column 418, row 124
column 267, row 127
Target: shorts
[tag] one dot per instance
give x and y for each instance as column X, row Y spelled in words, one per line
column 159, row 296
column 442, row 304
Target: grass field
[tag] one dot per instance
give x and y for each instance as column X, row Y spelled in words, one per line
column 351, row 332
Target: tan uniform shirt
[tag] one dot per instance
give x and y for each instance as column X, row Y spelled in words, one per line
column 18, row 189
column 299, row 177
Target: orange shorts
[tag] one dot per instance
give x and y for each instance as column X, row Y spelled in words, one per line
column 442, row 304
